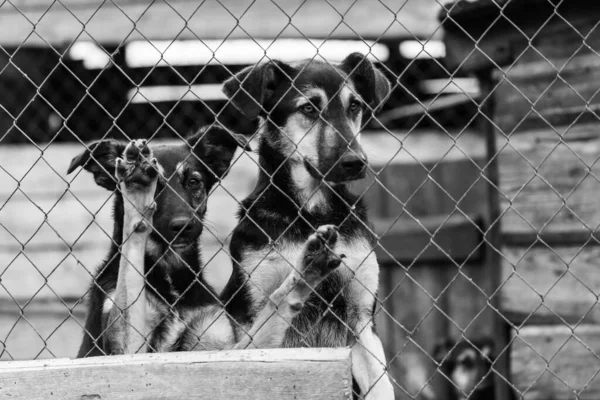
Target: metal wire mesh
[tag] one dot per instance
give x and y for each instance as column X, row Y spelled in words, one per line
column 480, row 189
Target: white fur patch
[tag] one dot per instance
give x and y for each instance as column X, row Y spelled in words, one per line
column 180, row 168
column 345, row 95
column 268, row 269
column 310, row 194
column 109, row 302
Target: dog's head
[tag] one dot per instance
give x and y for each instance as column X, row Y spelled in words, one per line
column 466, row 363
column 189, row 170
column 312, row 112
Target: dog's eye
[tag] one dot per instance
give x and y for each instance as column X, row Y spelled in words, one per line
column 308, row 109
column 354, row 106
column 194, row 183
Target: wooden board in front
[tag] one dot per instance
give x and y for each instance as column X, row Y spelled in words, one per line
column 251, row 374
column 556, row 362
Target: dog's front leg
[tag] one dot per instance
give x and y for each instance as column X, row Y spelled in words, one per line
column 126, row 327
column 316, row 262
column 368, row 362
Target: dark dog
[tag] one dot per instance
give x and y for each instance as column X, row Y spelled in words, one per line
column 150, row 293
column 467, row 365
column 311, row 115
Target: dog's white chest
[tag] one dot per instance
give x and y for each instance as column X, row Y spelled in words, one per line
column 269, row 267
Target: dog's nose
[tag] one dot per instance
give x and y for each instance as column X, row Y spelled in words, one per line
column 181, row 225
column 353, row 164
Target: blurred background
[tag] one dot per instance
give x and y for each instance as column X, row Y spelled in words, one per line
column 482, row 188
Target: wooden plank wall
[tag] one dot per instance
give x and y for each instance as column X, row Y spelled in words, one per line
column 546, row 112
column 110, row 23
column 424, row 298
column 257, row 374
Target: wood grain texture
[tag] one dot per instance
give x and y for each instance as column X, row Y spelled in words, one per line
column 557, row 363
column 559, row 285
column 110, row 23
column 452, row 239
column 549, row 181
column 255, row 374
column 541, row 93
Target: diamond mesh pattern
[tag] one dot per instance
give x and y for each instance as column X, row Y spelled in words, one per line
column 481, row 189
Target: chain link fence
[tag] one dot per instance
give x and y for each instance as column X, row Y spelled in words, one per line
column 481, row 188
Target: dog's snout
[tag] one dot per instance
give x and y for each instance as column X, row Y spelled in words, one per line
column 353, row 164
column 181, row 225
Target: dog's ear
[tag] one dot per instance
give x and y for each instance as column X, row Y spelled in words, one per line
column 486, row 346
column 215, row 148
column 370, row 83
column 251, row 88
column 99, row 159
column 441, row 349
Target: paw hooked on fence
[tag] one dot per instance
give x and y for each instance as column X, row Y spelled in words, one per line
column 318, row 259
column 137, row 173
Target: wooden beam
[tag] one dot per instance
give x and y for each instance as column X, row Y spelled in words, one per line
column 489, row 34
column 556, row 362
column 449, row 239
column 115, row 22
column 251, row 374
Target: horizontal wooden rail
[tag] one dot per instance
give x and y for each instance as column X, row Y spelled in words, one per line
column 247, row 374
column 407, row 240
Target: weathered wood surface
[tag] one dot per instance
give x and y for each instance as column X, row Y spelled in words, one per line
column 498, row 38
column 452, row 239
column 547, row 80
column 558, row 285
column 542, row 93
column 549, row 182
column 415, row 311
column 253, row 374
column 113, row 23
column 557, row 363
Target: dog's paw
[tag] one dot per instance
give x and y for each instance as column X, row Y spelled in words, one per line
column 137, row 173
column 319, row 258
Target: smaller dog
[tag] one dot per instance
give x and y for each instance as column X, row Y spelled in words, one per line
column 150, row 295
column 468, row 367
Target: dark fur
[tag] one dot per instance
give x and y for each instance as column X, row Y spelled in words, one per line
column 209, row 153
column 273, row 211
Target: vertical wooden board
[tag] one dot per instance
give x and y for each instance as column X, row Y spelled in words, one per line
column 469, row 292
column 412, row 323
column 253, row 374
column 557, row 362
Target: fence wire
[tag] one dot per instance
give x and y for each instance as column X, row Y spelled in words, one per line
column 480, row 187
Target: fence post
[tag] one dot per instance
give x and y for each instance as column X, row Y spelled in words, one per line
column 493, row 237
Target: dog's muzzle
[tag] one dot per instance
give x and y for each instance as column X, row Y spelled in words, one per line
column 349, row 168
